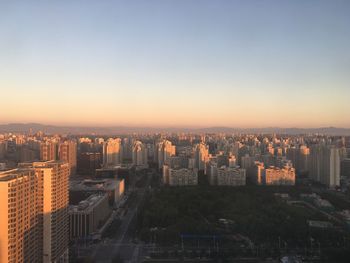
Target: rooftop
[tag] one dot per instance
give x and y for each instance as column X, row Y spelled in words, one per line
column 87, row 204
column 89, row 184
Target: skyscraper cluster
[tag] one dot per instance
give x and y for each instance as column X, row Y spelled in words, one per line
column 35, row 171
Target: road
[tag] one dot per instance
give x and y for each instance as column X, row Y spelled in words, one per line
column 121, row 245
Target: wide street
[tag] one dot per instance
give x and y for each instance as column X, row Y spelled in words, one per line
column 121, row 245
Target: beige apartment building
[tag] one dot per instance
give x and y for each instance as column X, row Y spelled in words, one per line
column 21, row 217
column 34, row 213
column 112, row 152
column 279, row 176
column 67, row 152
column 48, row 150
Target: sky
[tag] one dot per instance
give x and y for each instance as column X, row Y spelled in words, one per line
column 183, row 63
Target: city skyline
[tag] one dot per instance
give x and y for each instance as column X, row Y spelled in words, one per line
column 174, row 131
column 163, row 63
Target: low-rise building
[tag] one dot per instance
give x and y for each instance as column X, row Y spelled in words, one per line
column 86, row 218
column 113, row 187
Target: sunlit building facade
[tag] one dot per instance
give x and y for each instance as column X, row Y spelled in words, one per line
column 48, row 151
column 21, row 217
column 67, row 152
column 279, row 176
column 201, row 156
column 139, row 154
column 165, row 150
column 34, row 213
column 112, row 152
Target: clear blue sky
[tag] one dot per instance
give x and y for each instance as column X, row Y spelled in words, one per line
column 176, row 63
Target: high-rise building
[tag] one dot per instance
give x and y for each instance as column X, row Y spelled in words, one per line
column 88, row 162
column 247, row 161
column 26, row 154
column 201, row 156
column 325, row 164
column 345, row 167
column 284, row 175
column 165, row 150
column 2, row 150
column 212, row 172
column 127, row 146
column 48, row 151
column 67, row 152
column 304, row 159
column 34, row 213
column 256, row 172
column 139, row 154
column 231, row 176
column 293, row 155
column 112, row 152
column 55, row 177
column 21, row 217
column 179, row 177
column 299, row 157
column 278, row 176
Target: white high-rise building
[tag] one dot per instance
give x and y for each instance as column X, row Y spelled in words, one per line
column 165, row 150
column 201, row 156
column 256, row 172
column 139, row 154
column 112, row 152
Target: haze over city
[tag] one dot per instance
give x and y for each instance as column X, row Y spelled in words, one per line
column 176, row 63
column 152, row 131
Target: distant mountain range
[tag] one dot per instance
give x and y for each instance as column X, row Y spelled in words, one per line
column 52, row 129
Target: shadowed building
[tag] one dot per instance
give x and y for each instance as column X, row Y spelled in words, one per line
column 325, row 164
column 179, row 176
column 86, row 218
column 88, row 162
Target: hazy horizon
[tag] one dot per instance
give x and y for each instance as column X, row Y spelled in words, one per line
column 173, row 127
column 187, row 63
